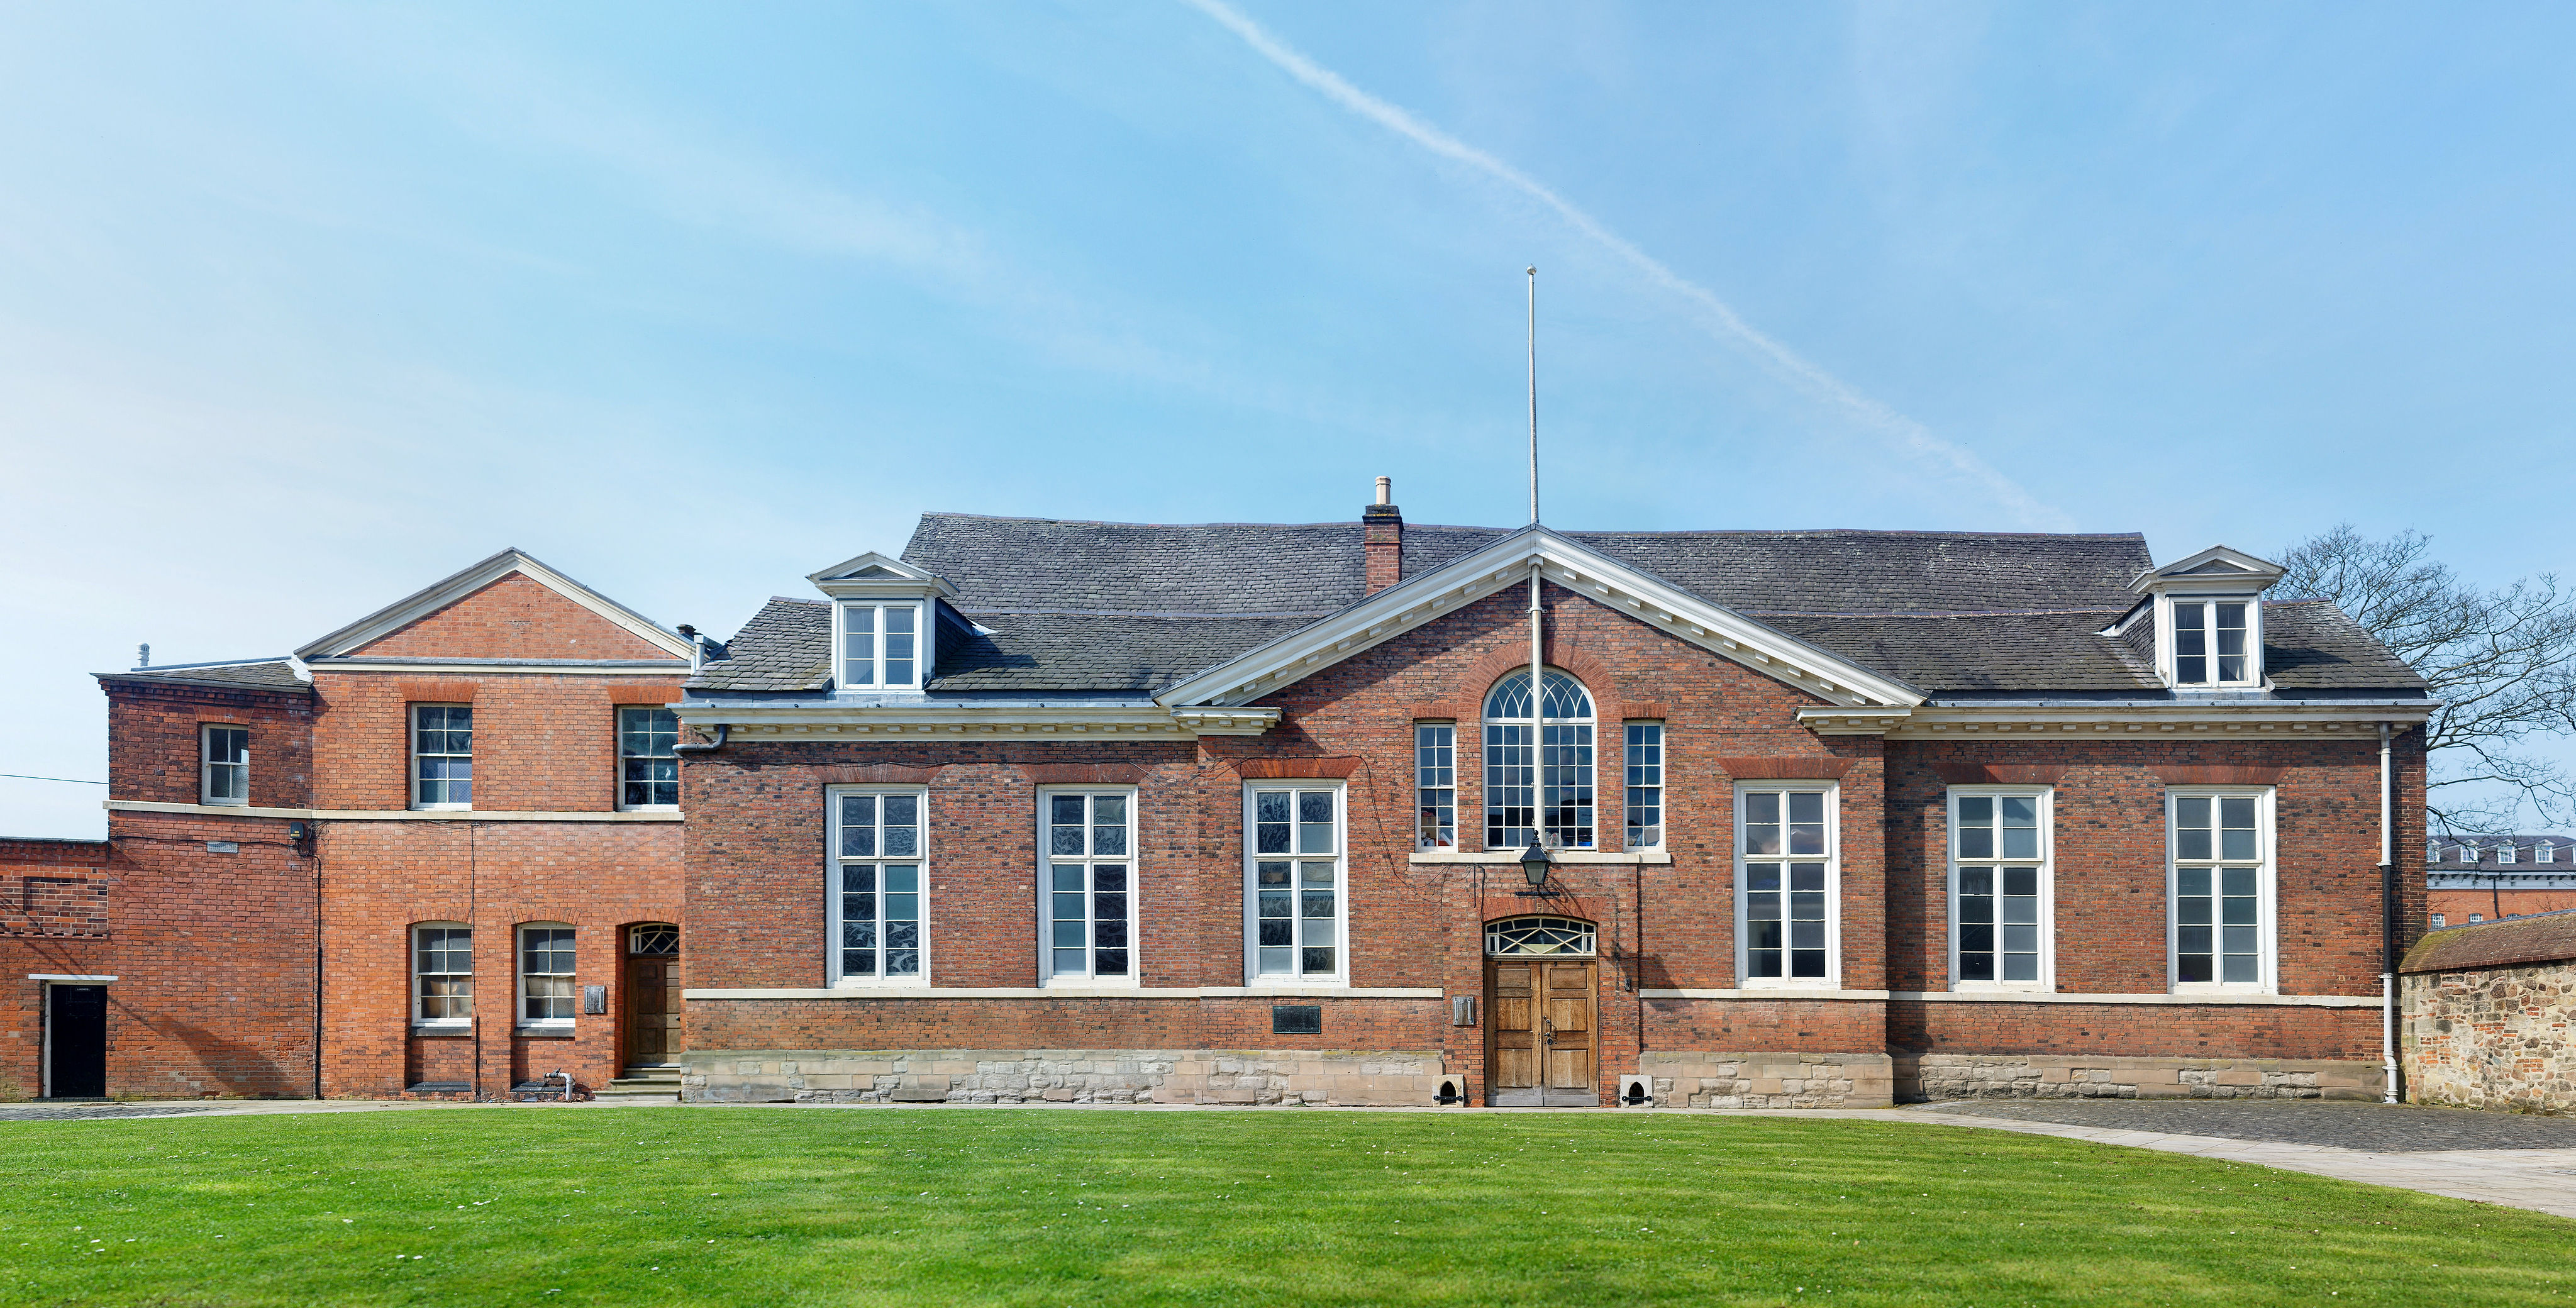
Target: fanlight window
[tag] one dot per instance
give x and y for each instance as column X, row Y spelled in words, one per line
column 653, row 940
column 1551, row 793
column 1539, row 935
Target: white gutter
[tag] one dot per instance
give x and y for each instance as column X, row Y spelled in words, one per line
column 2388, row 900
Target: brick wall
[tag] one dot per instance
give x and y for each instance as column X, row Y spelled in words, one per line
column 154, row 751
column 542, row 741
column 381, row 878
column 513, row 618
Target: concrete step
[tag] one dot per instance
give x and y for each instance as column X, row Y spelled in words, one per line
column 644, row 1083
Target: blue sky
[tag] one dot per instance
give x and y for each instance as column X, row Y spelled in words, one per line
column 304, row 307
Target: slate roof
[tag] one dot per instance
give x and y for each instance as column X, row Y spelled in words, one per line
column 1064, row 605
column 276, row 675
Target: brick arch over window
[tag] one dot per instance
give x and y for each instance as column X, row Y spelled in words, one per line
column 1466, row 701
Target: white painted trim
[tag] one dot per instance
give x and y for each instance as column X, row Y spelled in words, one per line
column 2029, row 997
column 2047, row 861
column 390, row 814
column 1113, row 992
column 70, row 978
column 2124, row 719
column 1833, row 861
column 925, row 655
column 206, row 763
column 456, row 586
column 2267, row 896
column 1576, row 567
column 677, row 669
column 1512, row 858
column 833, row 863
column 1043, row 883
column 925, row 719
column 901, row 579
column 1252, row 973
column 2249, row 575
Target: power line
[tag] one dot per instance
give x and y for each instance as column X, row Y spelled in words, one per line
column 21, row 776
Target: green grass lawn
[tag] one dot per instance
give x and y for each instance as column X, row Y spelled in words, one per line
column 785, row 1206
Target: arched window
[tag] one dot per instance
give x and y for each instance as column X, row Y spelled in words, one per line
column 1557, row 801
column 1539, row 935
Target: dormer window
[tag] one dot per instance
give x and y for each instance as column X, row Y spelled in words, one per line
column 2210, row 643
column 2207, row 612
column 880, row 646
column 2504, row 853
column 885, row 622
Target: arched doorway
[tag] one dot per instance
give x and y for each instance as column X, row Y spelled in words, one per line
column 1542, row 987
column 650, row 1032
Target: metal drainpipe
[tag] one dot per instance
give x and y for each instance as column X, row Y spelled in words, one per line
column 723, row 729
column 2388, row 901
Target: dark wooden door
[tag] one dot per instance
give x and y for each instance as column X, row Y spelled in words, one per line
column 652, row 1010
column 76, row 1042
column 1541, row 1048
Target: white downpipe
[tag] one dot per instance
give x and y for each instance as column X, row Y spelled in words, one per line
column 1538, row 718
column 2387, row 917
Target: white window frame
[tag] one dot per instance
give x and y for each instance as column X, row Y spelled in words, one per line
column 2440, row 920
column 1428, row 786
column 1587, row 777
column 1628, row 789
column 2544, row 852
column 411, row 741
column 2504, row 852
column 2267, row 905
column 412, row 969
column 2047, row 864
column 1832, row 979
column 1341, row 974
column 2169, row 640
column 833, row 862
column 921, row 644
column 1047, row 863
column 206, row 764
column 519, row 967
column 623, row 756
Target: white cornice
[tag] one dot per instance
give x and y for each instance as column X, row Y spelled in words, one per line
column 2136, row 720
column 561, row 668
column 915, row 994
column 822, row 720
column 438, row 595
column 873, row 575
column 1571, row 565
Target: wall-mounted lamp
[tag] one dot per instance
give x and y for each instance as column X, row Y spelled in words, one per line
column 1534, row 863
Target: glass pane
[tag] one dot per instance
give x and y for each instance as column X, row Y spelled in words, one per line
column 1066, row 838
column 1316, row 961
column 903, row 810
column 1065, row 811
column 1314, row 822
column 903, row 962
column 1976, row 810
column 1274, row 960
column 1109, row 878
column 1110, row 962
column 902, row 877
column 1977, row 936
column 2241, row 969
column 2021, row 842
column 2237, row 881
column 2021, row 881
column 2021, row 967
column 1065, row 876
column 1762, row 876
column 1068, row 962
column 2021, row 939
column 898, row 618
column 1270, row 821
column 1979, row 881
column 1068, row 932
column 1109, row 839
column 1976, row 842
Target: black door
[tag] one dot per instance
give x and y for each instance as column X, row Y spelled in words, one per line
column 76, row 1042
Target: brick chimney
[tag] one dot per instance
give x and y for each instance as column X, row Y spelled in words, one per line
column 1385, row 525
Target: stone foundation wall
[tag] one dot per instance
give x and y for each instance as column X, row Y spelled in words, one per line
column 1064, row 1076
column 1923, row 1077
column 1697, row 1080
column 2492, row 1038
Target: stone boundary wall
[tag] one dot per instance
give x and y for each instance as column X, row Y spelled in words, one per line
column 1071, row 1076
column 1925, row 1077
column 1697, row 1080
column 2493, row 1038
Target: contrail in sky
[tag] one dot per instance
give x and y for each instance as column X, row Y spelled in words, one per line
column 1779, row 359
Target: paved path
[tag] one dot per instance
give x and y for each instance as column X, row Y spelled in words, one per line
column 2497, row 1158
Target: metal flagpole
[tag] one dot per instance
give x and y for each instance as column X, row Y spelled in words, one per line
column 1538, row 685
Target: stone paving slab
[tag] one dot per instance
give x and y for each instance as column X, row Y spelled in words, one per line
column 69, row 1112
column 2375, row 1128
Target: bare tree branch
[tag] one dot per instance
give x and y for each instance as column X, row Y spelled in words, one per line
column 2502, row 662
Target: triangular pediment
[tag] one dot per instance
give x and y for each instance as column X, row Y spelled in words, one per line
column 1566, row 563
column 622, row 632
column 878, row 574
column 2232, row 568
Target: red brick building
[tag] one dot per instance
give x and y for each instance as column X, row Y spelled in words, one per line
column 441, row 846
column 1243, row 813
column 2491, row 878
column 1048, row 810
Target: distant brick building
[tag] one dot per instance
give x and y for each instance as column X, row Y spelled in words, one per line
column 2489, row 878
column 1048, row 810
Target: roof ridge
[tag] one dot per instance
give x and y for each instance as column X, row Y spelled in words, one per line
column 1567, row 531
column 1151, row 613
column 1921, row 613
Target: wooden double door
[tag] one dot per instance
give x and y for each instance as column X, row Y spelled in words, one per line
column 1542, row 1043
